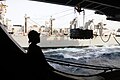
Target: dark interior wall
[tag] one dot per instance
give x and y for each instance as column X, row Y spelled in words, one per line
column 12, row 57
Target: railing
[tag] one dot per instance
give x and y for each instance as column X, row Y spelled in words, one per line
column 67, row 63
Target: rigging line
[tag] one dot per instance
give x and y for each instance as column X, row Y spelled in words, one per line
column 68, row 64
column 80, row 64
column 74, row 65
column 107, row 39
column 35, row 22
column 79, row 74
column 100, row 31
column 62, row 12
column 30, row 23
column 68, row 2
column 64, row 15
column 80, row 2
column 103, row 4
column 58, row 13
column 116, row 40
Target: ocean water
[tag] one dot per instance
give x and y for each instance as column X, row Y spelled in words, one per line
column 106, row 56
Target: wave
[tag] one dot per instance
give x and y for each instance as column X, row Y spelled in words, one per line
column 92, row 55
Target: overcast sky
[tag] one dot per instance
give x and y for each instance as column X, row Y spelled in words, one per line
column 41, row 12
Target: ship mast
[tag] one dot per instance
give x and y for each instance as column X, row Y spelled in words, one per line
column 2, row 11
column 26, row 18
column 51, row 24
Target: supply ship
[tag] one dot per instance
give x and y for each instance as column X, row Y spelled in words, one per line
column 89, row 35
column 73, row 36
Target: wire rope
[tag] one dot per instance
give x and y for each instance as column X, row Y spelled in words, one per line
column 116, row 40
column 72, row 64
column 105, row 41
column 100, row 31
column 78, row 65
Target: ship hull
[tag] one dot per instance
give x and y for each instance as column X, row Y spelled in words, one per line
column 65, row 41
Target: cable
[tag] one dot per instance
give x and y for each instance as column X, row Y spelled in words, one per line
column 107, row 39
column 100, row 31
column 68, row 2
column 71, row 73
column 35, row 22
column 116, row 40
column 61, row 12
column 64, row 15
column 78, row 65
column 79, row 74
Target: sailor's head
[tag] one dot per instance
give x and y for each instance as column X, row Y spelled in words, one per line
column 34, row 36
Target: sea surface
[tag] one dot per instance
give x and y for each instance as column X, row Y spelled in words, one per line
column 106, row 56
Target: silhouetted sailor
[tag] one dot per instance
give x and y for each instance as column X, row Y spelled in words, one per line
column 38, row 67
column 38, row 64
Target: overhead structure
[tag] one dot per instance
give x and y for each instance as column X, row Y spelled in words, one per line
column 110, row 8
